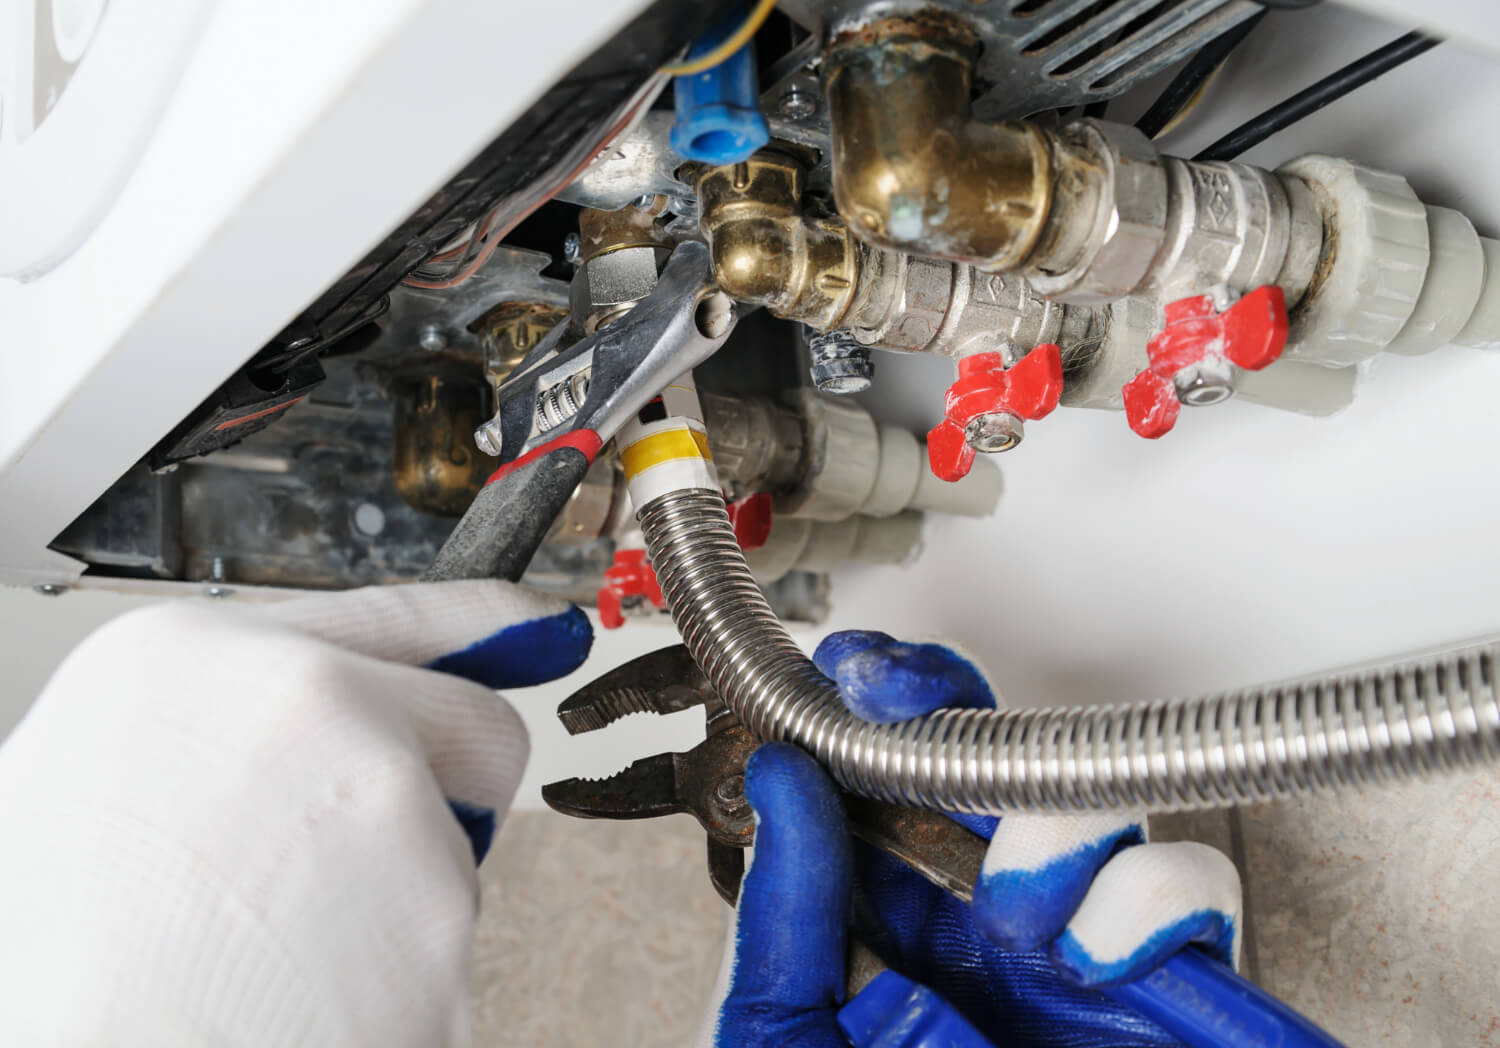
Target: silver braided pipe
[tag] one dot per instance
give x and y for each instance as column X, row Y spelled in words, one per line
column 1394, row 722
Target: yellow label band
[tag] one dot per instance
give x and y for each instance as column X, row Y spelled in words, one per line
column 683, row 443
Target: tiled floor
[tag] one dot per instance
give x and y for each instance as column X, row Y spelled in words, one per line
column 595, row 934
column 1373, row 913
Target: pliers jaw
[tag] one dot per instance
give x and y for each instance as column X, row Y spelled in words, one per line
column 707, row 782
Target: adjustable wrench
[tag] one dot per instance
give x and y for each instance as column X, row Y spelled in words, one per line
column 561, row 405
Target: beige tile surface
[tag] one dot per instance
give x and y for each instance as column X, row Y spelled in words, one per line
column 1373, row 913
column 595, row 933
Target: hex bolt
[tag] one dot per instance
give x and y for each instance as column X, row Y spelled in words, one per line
column 840, row 365
column 797, row 104
column 994, row 432
column 572, row 248
column 488, row 437
column 432, row 339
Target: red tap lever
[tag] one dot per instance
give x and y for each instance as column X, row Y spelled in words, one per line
column 985, row 405
column 629, row 576
column 1192, row 360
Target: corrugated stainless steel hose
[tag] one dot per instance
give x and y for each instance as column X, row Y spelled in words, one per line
column 1395, row 722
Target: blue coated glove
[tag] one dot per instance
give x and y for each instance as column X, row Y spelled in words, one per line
column 1063, row 904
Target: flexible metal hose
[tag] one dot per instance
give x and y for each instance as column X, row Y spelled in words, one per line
column 1393, row 722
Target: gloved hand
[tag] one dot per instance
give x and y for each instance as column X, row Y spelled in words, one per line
column 1064, row 903
column 236, row 826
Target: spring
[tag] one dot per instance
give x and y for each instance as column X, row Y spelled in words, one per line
column 1394, row 722
column 558, row 403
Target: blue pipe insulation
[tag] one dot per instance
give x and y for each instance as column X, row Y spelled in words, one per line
column 718, row 110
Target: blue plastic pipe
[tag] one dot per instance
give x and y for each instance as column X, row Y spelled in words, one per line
column 718, row 110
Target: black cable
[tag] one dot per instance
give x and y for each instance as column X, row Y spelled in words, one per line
column 1191, row 77
column 1330, row 89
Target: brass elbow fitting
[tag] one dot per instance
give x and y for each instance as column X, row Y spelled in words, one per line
column 913, row 170
column 765, row 252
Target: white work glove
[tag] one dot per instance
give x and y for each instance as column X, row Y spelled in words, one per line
column 232, row 826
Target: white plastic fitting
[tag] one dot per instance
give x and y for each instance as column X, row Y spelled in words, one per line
column 1394, row 273
column 798, row 544
column 858, row 467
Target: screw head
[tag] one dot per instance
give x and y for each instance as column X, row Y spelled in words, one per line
column 572, row 247
column 1210, row 381
column 369, row 519
column 50, row 589
column 994, row 432
column 797, row 105
column 489, row 438
column 432, row 339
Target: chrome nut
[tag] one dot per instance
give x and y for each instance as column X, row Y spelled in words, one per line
column 607, row 285
column 920, row 291
column 1128, row 224
column 994, row 432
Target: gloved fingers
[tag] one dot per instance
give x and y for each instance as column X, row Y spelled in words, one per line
column 473, row 740
column 893, row 1012
column 488, row 631
column 1038, row 870
column 883, row 680
column 1145, row 905
column 790, row 936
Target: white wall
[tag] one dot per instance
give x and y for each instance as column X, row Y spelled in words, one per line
column 36, row 632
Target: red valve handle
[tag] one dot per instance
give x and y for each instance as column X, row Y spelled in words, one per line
column 1249, row 334
column 629, row 576
column 985, row 386
column 751, row 519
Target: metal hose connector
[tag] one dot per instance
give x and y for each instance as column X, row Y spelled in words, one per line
column 1390, row 723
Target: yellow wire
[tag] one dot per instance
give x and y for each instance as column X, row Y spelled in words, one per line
column 736, row 40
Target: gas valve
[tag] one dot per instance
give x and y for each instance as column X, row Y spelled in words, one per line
column 1194, row 358
column 985, row 406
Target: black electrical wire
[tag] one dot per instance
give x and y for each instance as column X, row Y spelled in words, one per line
column 1193, row 76
column 1330, row 89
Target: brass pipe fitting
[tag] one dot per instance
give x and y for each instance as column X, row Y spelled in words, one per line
column 913, row 170
column 766, row 252
column 600, row 232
